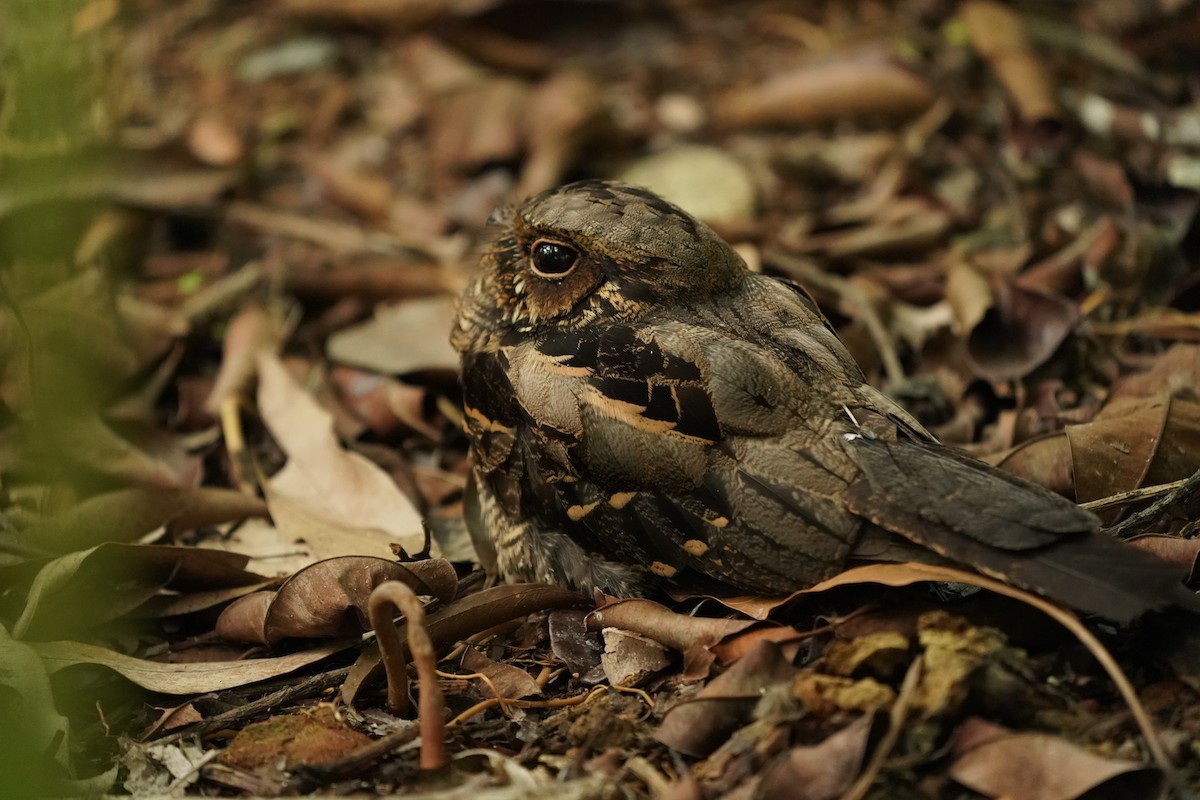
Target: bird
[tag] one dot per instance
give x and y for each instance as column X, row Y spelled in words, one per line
column 645, row 414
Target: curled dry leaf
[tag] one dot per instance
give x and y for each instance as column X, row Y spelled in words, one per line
column 692, row 636
column 1112, row 453
column 467, row 616
column 953, row 650
column 1019, row 331
column 1173, row 372
column 698, row 726
column 330, row 597
column 1183, row 553
column 244, row 620
column 882, row 654
column 1045, row 460
column 1132, row 442
column 868, row 83
column 1036, row 766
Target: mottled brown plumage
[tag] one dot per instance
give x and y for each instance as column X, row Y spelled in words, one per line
column 645, row 412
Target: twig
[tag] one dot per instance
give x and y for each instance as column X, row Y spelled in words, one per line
column 561, row 702
column 388, row 598
column 1183, row 500
column 262, row 705
column 896, row 718
column 1132, row 496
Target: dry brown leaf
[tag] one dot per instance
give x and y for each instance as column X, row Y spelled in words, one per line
column 411, row 336
column 511, row 683
column 252, row 330
column 325, row 488
column 465, row 617
column 1177, row 371
column 630, row 658
column 1183, row 553
column 1019, row 332
column 1112, row 453
column 329, row 598
column 696, row 727
column 1037, row 766
column 953, row 649
column 868, row 83
column 179, row 679
column 1045, row 460
column 967, row 293
column 1001, row 38
column 823, row 771
column 311, row 737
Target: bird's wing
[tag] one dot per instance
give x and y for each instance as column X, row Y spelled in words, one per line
column 1008, row 528
column 688, row 446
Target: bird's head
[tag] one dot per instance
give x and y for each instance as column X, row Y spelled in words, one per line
column 588, row 250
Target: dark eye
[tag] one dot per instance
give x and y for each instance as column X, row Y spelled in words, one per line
column 553, row 259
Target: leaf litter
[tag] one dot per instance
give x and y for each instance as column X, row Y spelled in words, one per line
column 228, row 412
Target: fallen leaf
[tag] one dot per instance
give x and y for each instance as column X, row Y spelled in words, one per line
column 1019, row 331
column 180, row 679
column 865, row 83
column 629, row 658
column 699, row 725
column 90, row 587
column 823, row 771
column 313, row 736
column 464, row 617
column 410, row 336
column 510, row 682
column 1037, row 766
column 324, row 485
column 329, row 598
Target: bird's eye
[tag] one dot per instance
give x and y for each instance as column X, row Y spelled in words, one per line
column 552, row 259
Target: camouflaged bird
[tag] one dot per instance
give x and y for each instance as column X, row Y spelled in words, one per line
column 644, row 413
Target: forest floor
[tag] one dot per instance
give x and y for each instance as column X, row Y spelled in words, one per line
column 228, row 402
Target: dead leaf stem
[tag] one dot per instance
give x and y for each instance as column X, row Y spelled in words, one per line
column 388, row 598
column 896, row 719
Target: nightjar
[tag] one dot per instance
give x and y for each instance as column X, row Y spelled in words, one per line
column 645, row 413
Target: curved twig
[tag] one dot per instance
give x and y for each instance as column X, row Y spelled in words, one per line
column 385, row 600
